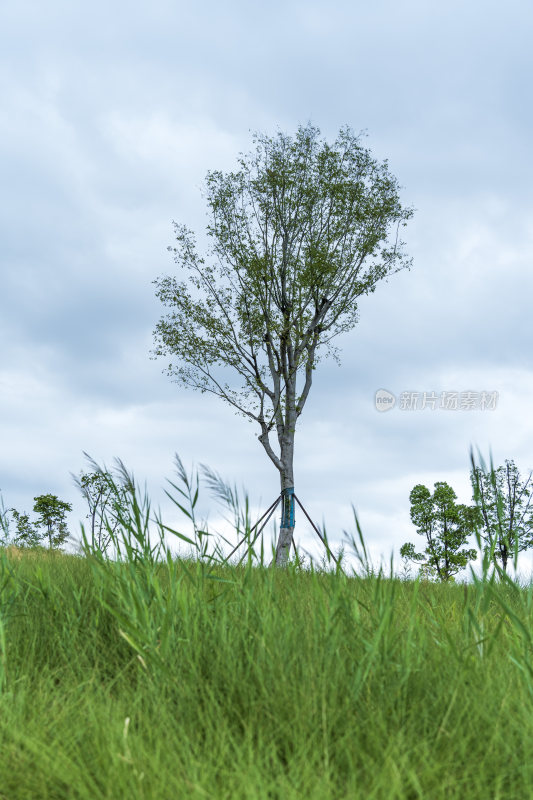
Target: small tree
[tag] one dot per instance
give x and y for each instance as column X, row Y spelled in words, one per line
column 299, row 233
column 446, row 527
column 52, row 513
column 105, row 498
column 506, row 509
column 26, row 533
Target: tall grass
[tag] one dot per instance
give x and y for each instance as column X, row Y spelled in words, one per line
column 144, row 675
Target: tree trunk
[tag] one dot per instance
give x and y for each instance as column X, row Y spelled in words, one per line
column 505, row 557
column 286, row 531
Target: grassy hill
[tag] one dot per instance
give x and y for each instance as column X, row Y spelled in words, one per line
column 167, row 679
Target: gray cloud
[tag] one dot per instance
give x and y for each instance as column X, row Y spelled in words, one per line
column 110, row 118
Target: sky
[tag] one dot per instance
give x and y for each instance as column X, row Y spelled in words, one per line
column 110, row 117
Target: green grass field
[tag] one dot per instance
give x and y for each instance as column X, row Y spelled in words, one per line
column 148, row 676
column 161, row 680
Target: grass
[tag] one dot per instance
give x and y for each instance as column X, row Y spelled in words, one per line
column 148, row 676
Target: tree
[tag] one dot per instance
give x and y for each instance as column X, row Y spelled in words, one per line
column 446, row 527
column 297, row 234
column 506, row 511
column 104, row 498
column 52, row 518
column 26, row 533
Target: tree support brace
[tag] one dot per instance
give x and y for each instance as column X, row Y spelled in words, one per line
column 270, row 510
column 287, row 497
column 322, row 539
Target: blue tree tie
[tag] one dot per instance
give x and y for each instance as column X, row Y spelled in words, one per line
column 287, row 508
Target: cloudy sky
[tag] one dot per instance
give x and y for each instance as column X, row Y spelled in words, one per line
column 110, row 116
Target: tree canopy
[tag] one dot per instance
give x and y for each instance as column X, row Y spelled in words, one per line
column 505, row 503
column 446, row 527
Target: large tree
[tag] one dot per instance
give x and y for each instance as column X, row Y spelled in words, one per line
column 298, row 233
